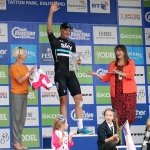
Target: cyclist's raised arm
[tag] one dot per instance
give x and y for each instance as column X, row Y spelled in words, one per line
column 54, row 7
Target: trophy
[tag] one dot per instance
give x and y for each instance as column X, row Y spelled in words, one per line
column 73, row 61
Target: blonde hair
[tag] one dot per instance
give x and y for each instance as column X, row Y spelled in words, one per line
column 148, row 122
column 18, row 50
column 58, row 123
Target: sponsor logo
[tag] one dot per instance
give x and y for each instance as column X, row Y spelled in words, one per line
column 3, row 32
column 22, row 33
column 85, row 115
column 30, row 137
column 4, row 74
column 50, row 95
column 102, row 71
column 131, row 36
column 83, row 77
column 147, row 16
column 103, row 95
column 103, row 52
column 4, row 117
column 46, row 56
column 131, row 3
column 136, row 53
column 140, row 94
column 31, row 51
column 99, row 7
column 78, row 34
column 43, row 37
column 147, row 36
column 2, row 52
column 65, row 45
column 105, row 35
column 3, row 95
column 49, row 114
column 5, row 138
column 140, row 113
column 2, row 4
column 87, row 93
column 77, row 6
column 128, row 16
column 146, row 3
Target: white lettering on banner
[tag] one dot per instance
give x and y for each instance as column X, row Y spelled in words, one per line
column 135, row 54
column 64, row 45
column 22, row 33
column 101, row 71
column 2, row 74
column 48, row 54
column 130, row 36
column 3, row 117
column 31, row 3
column 85, row 115
column 147, row 16
column 3, row 95
column 102, row 94
column 50, row 3
column 105, row 54
column 31, row 95
column 82, row 75
column 43, row 33
column 79, row 35
column 140, row 113
column 49, row 116
column 31, row 137
column 30, row 53
column 3, row 52
column 16, row 2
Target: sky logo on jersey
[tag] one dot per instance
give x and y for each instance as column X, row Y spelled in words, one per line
column 141, row 115
column 43, row 37
column 88, row 113
column 46, row 56
column 3, row 53
column 23, row 32
column 31, row 52
column 80, row 34
column 101, row 70
column 136, row 53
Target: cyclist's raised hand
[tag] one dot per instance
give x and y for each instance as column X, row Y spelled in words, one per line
column 54, row 6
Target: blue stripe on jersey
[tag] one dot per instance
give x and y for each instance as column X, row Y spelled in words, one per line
column 64, row 50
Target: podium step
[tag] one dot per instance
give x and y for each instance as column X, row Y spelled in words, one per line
column 83, row 142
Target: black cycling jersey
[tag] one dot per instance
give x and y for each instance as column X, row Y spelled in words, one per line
column 61, row 49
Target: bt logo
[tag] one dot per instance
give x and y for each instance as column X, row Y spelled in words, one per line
column 103, row 5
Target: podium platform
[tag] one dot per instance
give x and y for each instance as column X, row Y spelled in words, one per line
column 83, row 142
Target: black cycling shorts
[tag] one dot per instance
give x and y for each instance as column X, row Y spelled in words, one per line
column 66, row 79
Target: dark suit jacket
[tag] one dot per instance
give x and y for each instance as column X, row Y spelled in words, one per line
column 104, row 132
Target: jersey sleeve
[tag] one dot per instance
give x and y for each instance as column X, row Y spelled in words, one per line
column 74, row 48
column 14, row 72
column 52, row 38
